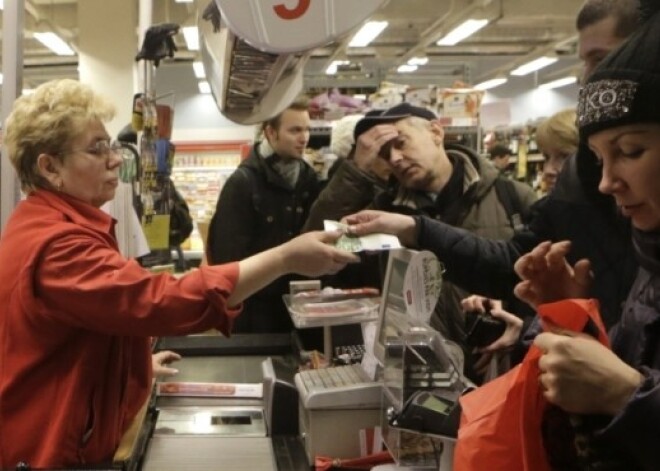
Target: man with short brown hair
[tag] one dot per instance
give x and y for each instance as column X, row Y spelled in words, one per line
column 264, row 203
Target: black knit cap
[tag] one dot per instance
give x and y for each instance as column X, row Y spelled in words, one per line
column 391, row 115
column 625, row 87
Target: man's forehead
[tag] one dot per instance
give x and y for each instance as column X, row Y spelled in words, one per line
column 294, row 117
column 598, row 37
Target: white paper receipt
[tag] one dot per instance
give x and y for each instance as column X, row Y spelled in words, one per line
column 371, row 242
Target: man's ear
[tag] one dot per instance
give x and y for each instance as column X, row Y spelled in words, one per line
column 49, row 168
column 438, row 132
column 270, row 133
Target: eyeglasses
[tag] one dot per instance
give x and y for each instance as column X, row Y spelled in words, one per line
column 103, row 148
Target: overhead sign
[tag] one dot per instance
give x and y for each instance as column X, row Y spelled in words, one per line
column 284, row 26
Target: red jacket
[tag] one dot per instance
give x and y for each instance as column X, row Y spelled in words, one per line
column 75, row 363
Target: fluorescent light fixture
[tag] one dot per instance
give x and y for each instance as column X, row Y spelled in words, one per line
column 462, row 31
column 492, row 83
column 1, row 78
column 191, row 35
column 360, row 96
column 2, row 4
column 56, row 44
column 332, row 68
column 562, row 82
column 406, row 69
column 534, row 65
column 418, row 61
column 204, row 87
column 367, row 33
column 28, row 91
column 183, row 1
column 198, row 68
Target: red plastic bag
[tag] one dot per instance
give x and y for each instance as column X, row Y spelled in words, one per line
column 500, row 426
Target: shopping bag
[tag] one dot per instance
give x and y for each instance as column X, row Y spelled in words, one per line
column 501, row 422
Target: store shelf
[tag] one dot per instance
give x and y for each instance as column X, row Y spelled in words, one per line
column 200, row 171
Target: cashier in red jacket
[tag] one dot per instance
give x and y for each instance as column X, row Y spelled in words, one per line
column 75, row 363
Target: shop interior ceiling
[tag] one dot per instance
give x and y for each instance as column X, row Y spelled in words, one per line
column 518, row 31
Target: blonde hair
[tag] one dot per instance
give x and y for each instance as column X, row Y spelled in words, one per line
column 46, row 121
column 559, row 130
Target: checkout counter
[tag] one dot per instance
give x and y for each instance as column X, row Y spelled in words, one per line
column 202, row 430
column 265, row 432
column 240, row 403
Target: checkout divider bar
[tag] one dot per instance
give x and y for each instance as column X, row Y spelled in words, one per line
column 238, row 344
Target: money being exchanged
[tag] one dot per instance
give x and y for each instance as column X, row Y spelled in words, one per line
column 370, row 242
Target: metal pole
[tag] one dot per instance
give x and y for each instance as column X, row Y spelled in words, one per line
column 12, row 85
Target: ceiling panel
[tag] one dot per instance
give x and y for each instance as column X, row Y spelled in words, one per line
column 519, row 30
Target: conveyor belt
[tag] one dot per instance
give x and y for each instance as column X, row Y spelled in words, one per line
column 207, row 453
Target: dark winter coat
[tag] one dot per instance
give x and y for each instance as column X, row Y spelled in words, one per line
column 567, row 213
column 257, row 210
column 478, row 211
column 636, row 340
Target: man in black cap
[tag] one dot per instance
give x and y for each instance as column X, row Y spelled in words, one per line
column 574, row 211
column 452, row 184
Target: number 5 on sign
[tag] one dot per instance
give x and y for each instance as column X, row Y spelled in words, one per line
column 284, row 26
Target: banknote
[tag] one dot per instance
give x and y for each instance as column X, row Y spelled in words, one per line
column 370, row 242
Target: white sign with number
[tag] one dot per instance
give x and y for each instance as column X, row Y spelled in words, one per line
column 283, row 26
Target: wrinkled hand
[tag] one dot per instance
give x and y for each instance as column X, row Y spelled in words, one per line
column 371, row 222
column 582, row 376
column 160, row 360
column 369, row 143
column 313, row 254
column 548, row 277
column 507, row 339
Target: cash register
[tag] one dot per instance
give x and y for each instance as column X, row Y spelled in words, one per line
column 337, row 402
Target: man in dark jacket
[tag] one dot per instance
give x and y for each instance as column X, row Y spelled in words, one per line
column 263, row 204
column 451, row 184
column 571, row 212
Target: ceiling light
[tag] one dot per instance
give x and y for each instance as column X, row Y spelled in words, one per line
column 198, row 68
column 534, row 65
column 332, row 68
column 2, row 4
column 406, row 68
column 360, row 96
column 191, row 35
column 367, row 33
column 183, row 1
column 418, row 61
column 492, row 83
column 562, row 82
column 56, row 44
column 204, row 87
column 462, row 31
